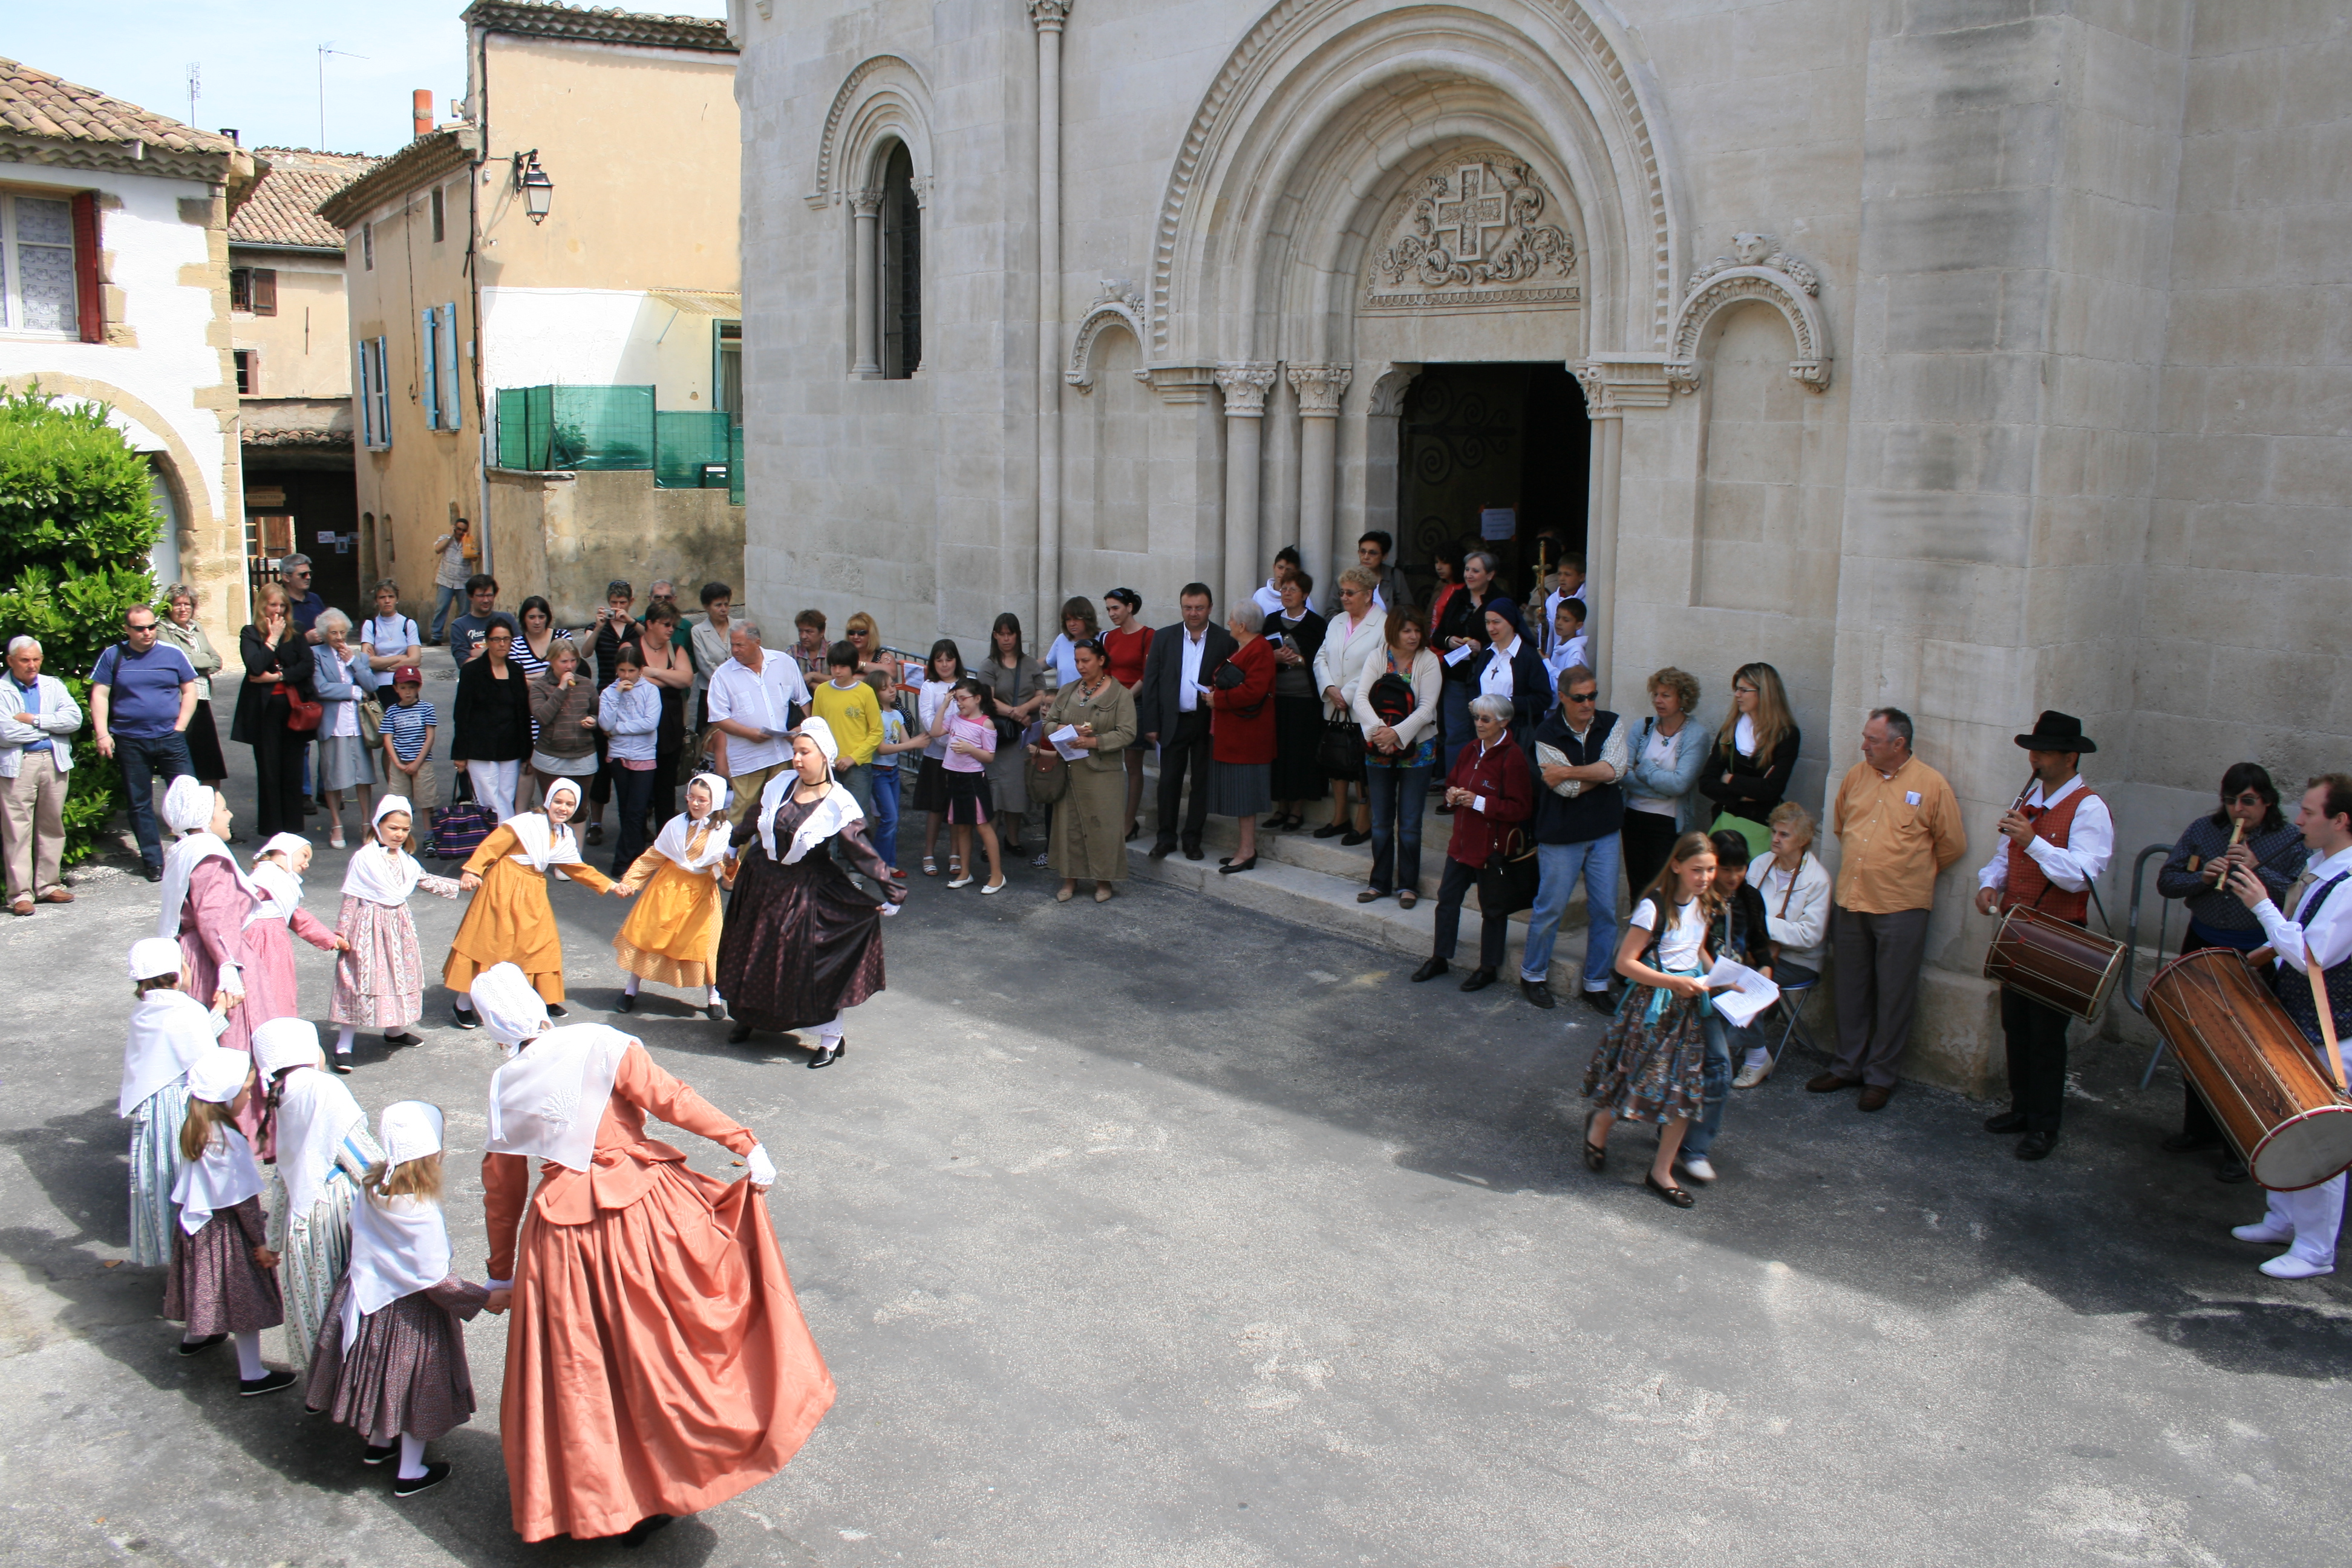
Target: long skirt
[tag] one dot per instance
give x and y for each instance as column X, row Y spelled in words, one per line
column 1008, row 781
column 204, row 744
column 316, row 1249
column 1648, row 1069
column 154, row 1170
column 405, row 1372
column 214, row 1286
column 801, row 943
column 671, row 936
column 1240, row 789
column 656, row 1359
column 931, row 786
column 1298, row 736
column 1087, row 841
column 380, row 982
column 344, row 762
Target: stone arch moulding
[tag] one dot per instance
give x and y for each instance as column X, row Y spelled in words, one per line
column 885, row 98
column 1757, row 270
column 1622, row 168
column 1120, row 304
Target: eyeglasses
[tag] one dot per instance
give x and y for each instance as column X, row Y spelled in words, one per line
column 1744, row 690
column 2247, row 798
column 1584, row 697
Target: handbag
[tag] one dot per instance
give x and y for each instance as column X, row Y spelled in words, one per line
column 371, row 717
column 1340, row 753
column 303, row 714
column 1507, row 882
column 459, row 830
column 1049, row 779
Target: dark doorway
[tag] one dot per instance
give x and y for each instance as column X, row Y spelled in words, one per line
column 316, row 514
column 1475, row 437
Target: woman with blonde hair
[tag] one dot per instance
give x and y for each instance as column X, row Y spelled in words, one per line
column 1795, row 888
column 860, row 632
column 1651, row 1065
column 1662, row 797
column 1754, row 756
column 180, row 627
column 278, row 668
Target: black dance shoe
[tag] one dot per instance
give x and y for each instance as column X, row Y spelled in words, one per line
column 267, row 1382
column 198, row 1347
column 371, row 1455
column 628, row 1003
column 406, row 1486
column 828, row 1054
column 557, row 1010
column 739, row 1033
column 465, row 1019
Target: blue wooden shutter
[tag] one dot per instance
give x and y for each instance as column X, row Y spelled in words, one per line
column 429, row 366
column 365, row 384
column 383, row 393
column 453, row 401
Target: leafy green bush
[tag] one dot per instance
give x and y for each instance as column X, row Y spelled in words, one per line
column 76, row 520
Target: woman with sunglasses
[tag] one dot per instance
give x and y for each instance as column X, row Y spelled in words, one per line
column 2271, row 848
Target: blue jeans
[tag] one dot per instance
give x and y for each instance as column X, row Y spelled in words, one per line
column 1718, row 1087
column 1397, row 797
column 1454, row 716
column 445, row 600
column 885, row 815
column 143, row 762
column 1595, row 860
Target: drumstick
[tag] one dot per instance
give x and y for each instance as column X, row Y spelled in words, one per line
column 2326, row 1016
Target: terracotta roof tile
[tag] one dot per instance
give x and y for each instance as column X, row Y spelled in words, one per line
column 284, row 208
column 34, row 103
column 599, row 26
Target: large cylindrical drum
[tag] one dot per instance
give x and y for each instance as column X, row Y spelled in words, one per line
column 2242, row 1053
column 2057, row 963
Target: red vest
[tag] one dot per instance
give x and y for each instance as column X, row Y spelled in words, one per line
column 2026, row 884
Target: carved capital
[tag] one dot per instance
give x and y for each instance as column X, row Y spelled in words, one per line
column 1615, row 383
column 866, row 202
column 1049, row 15
column 1244, row 384
column 1386, row 399
column 1318, row 388
column 921, row 185
column 1179, row 384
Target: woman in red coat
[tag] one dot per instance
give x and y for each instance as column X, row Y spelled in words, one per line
column 1241, row 735
column 1489, row 790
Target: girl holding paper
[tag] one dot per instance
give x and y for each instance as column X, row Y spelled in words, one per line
column 1738, row 931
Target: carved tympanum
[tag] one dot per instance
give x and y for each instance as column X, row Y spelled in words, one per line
column 1476, row 231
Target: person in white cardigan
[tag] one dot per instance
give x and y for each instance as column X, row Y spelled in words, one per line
column 1795, row 887
column 1354, row 633
column 1399, row 748
column 37, row 718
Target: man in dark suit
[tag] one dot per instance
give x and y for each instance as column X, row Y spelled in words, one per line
column 1172, row 713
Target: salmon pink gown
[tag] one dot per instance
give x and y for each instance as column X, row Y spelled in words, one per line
column 656, row 1359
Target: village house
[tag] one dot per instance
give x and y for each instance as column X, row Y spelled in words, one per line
column 545, row 314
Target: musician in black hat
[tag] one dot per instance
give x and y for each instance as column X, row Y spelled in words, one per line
column 2059, row 837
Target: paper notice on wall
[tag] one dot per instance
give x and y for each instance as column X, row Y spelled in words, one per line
column 1498, row 522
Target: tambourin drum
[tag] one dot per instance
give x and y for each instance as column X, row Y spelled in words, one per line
column 2055, row 962
column 2238, row 1046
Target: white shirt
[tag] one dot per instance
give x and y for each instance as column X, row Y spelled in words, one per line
column 1614, row 752
column 1658, row 754
column 1796, row 908
column 395, row 633
column 1063, row 656
column 1566, row 655
column 762, row 698
column 1679, row 948
column 2090, row 843
column 1552, row 606
column 2329, row 934
column 1188, row 681
column 1345, row 645
column 1268, row 598
column 1495, row 679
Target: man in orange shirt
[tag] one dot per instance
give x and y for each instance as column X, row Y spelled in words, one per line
column 1898, row 828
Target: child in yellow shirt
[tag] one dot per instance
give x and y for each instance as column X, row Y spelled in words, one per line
column 849, row 706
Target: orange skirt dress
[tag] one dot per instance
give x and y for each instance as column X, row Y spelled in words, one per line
column 671, row 936
column 657, row 1358
column 510, row 921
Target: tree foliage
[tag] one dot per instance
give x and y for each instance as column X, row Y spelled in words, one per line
column 77, row 522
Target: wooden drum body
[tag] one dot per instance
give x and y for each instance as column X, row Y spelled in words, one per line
column 2054, row 961
column 2245, row 1055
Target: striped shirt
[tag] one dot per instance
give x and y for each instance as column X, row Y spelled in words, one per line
column 406, row 726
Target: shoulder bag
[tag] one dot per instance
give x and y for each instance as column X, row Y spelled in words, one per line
column 1507, row 882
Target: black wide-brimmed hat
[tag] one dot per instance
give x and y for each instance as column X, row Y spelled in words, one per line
column 2057, row 732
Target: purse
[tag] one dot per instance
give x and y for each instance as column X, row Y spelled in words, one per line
column 371, row 717
column 459, row 829
column 1340, row 753
column 1508, row 882
column 303, row 714
column 1049, row 779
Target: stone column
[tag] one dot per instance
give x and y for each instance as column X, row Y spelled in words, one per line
column 1244, row 384
column 1601, row 479
column 867, row 206
column 1049, row 18
column 1318, row 388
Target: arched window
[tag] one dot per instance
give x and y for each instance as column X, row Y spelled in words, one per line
column 901, row 261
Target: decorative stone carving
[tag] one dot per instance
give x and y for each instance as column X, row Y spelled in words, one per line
column 1118, row 303
column 867, row 203
column 1386, row 399
column 1318, row 388
column 1049, row 15
column 1474, row 232
column 883, row 96
column 1179, row 384
column 1615, row 383
column 1758, row 268
column 1244, row 384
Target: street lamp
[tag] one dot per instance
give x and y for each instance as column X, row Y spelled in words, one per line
column 531, row 180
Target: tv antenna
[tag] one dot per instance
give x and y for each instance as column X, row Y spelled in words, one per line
column 195, row 78
column 324, row 50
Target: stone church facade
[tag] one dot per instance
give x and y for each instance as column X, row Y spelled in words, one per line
column 1970, row 356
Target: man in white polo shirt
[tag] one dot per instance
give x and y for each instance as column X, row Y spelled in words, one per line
column 752, row 700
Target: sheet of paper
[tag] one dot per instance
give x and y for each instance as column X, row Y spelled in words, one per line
column 1752, row 992
column 1459, row 654
column 1061, row 739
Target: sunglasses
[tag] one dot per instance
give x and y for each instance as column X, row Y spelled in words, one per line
column 2247, row 798
column 1584, row 697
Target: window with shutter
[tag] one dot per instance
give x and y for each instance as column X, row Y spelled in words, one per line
column 240, row 288
column 453, row 399
column 367, row 247
column 382, row 393
column 365, row 360
column 265, row 291
column 40, row 289
column 245, row 373
column 428, row 367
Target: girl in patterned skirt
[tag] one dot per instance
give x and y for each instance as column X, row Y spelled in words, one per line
column 1651, row 1065
column 169, row 1029
column 221, row 1281
column 391, row 1357
column 379, row 978
column 324, row 1153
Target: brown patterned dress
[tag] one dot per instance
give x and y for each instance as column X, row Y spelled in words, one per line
column 215, row 1287
column 406, row 1372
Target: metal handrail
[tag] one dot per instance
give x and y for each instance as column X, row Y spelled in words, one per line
column 2131, row 947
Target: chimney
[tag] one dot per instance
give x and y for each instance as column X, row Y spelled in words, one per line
column 421, row 111
column 230, row 132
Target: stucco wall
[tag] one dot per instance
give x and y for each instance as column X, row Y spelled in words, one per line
column 566, row 535
column 165, row 368
column 304, row 348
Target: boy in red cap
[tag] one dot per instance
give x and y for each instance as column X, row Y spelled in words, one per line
column 408, row 726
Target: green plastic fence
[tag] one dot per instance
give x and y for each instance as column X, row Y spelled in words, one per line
column 689, row 447
column 573, row 427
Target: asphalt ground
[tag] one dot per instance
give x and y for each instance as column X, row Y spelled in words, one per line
column 1163, row 1233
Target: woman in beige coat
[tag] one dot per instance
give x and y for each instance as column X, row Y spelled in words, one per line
column 1086, row 838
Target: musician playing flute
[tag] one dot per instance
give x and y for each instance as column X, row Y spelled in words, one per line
column 2319, row 935
column 2058, row 839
